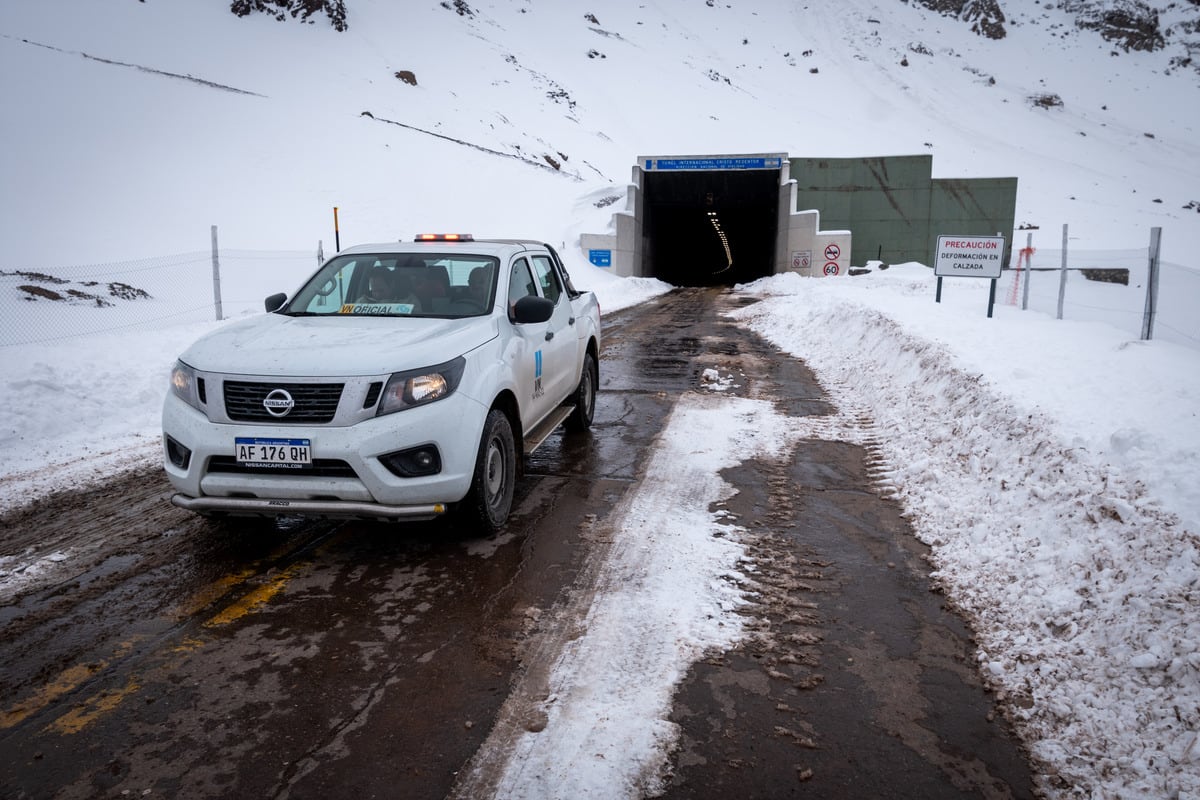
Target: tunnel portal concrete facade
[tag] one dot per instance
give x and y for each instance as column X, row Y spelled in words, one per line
column 724, row 219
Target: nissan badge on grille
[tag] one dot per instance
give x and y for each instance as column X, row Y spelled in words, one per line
column 279, row 403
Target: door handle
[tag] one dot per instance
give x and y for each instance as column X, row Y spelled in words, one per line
column 549, row 335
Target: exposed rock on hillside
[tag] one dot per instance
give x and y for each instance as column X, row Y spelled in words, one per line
column 1148, row 25
column 1130, row 23
column 986, row 16
column 281, row 9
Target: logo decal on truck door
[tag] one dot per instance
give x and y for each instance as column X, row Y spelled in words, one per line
column 538, row 391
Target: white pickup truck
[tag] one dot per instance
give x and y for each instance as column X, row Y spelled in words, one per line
column 401, row 382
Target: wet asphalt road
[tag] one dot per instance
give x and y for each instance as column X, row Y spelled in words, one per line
column 164, row 656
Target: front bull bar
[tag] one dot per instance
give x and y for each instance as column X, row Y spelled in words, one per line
column 339, row 509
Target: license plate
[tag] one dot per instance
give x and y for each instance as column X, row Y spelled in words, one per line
column 282, row 453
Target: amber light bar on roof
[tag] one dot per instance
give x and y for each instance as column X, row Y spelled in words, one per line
column 444, row 237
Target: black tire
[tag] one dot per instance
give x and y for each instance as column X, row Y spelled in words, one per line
column 489, row 500
column 584, row 397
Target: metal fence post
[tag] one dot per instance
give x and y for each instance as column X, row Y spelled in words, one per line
column 216, row 275
column 1028, row 270
column 1152, row 285
column 1062, row 280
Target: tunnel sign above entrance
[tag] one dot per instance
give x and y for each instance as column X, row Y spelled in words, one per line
column 713, row 163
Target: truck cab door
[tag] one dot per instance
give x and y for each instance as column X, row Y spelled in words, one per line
column 532, row 350
column 562, row 355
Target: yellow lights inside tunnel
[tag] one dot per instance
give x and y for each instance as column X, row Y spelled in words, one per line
column 716, row 223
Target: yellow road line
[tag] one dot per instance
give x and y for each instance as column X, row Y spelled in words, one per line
column 254, row 599
column 66, row 681
column 97, row 706
column 107, row 700
column 196, row 603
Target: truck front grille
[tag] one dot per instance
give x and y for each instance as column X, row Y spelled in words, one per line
column 314, row 402
column 321, row 468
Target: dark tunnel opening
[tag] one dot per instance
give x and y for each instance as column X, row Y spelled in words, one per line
column 710, row 228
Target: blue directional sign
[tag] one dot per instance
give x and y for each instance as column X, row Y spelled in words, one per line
column 715, row 163
column 600, row 258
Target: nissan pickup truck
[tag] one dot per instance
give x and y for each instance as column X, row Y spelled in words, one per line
column 402, row 381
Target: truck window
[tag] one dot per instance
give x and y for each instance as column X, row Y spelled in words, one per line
column 520, row 282
column 547, row 277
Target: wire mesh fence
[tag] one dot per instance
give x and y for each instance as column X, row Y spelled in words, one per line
column 1108, row 286
column 59, row 303
column 54, row 304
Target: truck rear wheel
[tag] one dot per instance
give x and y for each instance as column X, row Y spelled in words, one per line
column 487, row 504
column 584, row 397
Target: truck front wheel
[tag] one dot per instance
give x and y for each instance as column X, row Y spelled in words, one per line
column 490, row 499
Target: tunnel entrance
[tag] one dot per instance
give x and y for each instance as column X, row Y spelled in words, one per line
column 715, row 220
column 710, row 227
column 712, row 220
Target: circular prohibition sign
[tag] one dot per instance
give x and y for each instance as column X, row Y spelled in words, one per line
column 831, row 268
column 832, row 252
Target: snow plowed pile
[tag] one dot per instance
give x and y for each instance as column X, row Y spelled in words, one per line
column 1078, row 583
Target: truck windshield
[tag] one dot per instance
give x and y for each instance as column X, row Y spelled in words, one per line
column 400, row 284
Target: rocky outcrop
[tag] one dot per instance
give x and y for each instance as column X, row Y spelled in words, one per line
column 1131, row 24
column 335, row 10
column 986, row 16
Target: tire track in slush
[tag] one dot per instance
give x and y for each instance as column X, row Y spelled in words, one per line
column 660, row 591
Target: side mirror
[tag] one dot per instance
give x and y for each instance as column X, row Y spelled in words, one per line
column 532, row 309
column 275, row 302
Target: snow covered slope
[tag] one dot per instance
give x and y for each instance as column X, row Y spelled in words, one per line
column 133, row 127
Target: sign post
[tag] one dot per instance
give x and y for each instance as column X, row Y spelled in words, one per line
column 970, row 257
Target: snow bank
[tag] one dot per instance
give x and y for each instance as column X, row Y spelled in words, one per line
column 1080, row 585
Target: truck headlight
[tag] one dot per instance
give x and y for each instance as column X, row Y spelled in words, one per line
column 185, row 385
column 420, row 386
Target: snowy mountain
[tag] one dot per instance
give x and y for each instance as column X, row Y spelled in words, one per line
column 129, row 138
column 131, row 128
column 1130, row 24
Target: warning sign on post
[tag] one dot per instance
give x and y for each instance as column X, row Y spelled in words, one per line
column 969, row 256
